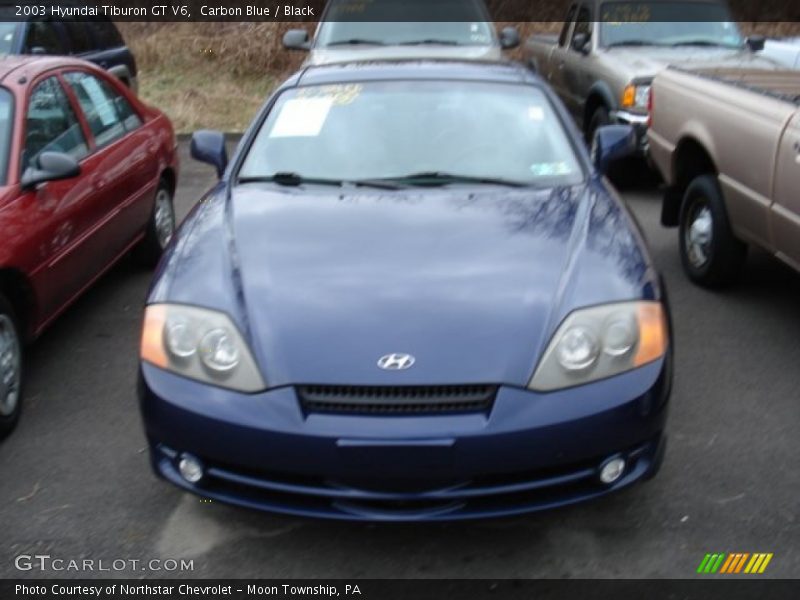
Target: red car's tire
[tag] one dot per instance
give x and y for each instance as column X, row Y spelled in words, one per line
column 11, row 365
column 160, row 227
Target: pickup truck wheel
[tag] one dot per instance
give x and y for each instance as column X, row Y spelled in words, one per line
column 710, row 253
column 600, row 118
column 10, row 369
column 160, row 228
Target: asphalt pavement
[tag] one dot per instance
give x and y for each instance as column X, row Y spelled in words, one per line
column 75, row 483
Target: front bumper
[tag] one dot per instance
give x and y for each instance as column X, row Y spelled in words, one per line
column 529, row 452
column 639, row 124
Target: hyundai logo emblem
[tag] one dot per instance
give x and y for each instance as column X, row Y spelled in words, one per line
column 396, row 362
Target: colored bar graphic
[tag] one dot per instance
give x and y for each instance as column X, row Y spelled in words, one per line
column 734, row 563
column 727, row 564
column 764, row 564
column 704, row 563
column 718, row 563
column 740, row 564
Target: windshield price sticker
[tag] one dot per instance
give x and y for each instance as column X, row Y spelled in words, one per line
column 302, row 117
column 626, row 13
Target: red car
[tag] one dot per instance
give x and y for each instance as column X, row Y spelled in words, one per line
column 87, row 173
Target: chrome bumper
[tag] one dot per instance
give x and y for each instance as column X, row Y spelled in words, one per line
column 637, row 121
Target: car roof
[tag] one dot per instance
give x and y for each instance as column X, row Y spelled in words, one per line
column 29, row 66
column 420, row 70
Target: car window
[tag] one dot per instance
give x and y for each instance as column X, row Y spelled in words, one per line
column 130, row 119
column 105, row 34
column 391, row 22
column 8, row 31
column 6, row 123
column 109, row 115
column 562, row 39
column 668, row 24
column 51, row 124
column 472, row 129
column 42, row 37
column 584, row 22
column 78, row 36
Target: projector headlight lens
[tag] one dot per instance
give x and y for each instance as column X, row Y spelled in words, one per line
column 218, row 351
column 577, row 349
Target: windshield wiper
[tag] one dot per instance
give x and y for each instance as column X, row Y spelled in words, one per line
column 702, row 43
column 356, row 42
column 431, row 41
column 442, row 178
column 295, row 179
column 631, row 43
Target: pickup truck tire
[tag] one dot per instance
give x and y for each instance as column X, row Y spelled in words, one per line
column 160, row 227
column 600, row 118
column 710, row 253
column 10, row 369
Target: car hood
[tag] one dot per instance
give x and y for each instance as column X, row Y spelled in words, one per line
column 325, row 56
column 472, row 284
column 646, row 62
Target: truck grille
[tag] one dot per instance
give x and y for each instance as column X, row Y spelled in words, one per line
column 398, row 400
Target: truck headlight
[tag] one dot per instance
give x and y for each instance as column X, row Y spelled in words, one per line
column 635, row 96
column 200, row 344
column 602, row 341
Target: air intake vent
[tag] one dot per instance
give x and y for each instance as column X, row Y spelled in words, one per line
column 399, row 400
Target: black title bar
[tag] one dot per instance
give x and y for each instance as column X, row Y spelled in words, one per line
column 383, row 10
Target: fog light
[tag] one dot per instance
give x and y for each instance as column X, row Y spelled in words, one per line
column 612, row 470
column 191, row 468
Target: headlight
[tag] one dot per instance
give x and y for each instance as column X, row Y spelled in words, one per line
column 635, row 96
column 602, row 341
column 200, row 344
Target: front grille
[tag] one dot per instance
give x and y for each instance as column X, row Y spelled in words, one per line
column 398, row 400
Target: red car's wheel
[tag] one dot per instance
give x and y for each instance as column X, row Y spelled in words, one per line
column 160, row 228
column 10, row 369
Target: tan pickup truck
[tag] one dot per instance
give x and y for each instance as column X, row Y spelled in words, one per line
column 727, row 142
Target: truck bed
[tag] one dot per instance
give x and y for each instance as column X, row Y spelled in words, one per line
column 783, row 84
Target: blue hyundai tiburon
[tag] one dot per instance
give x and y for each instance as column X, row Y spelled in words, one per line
column 412, row 295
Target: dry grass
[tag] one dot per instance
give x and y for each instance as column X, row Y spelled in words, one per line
column 218, row 74
column 209, row 74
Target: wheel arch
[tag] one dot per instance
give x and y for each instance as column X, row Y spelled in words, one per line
column 168, row 174
column 15, row 287
column 599, row 95
column 691, row 160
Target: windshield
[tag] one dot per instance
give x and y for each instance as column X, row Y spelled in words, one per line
column 6, row 122
column 7, row 31
column 334, row 33
column 390, row 22
column 667, row 24
column 394, row 129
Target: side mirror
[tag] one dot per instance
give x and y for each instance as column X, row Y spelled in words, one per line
column 50, row 166
column 580, row 42
column 38, row 50
column 509, row 38
column 756, row 43
column 209, row 147
column 612, row 143
column 296, row 39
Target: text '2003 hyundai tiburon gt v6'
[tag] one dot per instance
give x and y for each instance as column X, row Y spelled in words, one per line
column 410, row 296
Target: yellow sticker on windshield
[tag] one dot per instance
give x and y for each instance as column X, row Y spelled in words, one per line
column 626, row 12
column 340, row 94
